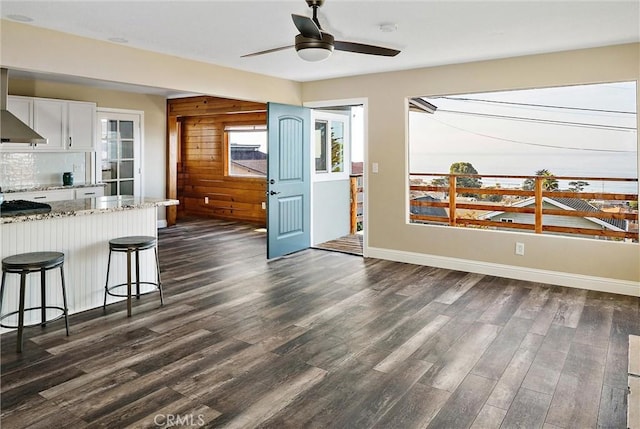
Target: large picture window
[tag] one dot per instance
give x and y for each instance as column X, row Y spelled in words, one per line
column 558, row 161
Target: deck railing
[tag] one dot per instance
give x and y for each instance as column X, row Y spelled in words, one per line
column 463, row 211
column 357, row 202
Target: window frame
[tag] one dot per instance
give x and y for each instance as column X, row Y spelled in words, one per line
column 227, row 129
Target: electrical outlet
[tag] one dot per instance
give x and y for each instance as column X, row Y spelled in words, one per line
column 206, row 200
column 264, row 205
column 374, row 167
column 520, row 249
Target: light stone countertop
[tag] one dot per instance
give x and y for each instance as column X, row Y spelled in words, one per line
column 88, row 206
column 51, row 187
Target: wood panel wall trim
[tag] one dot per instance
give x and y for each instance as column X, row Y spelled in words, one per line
column 197, row 160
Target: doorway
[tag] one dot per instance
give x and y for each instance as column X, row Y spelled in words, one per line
column 338, row 178
column 118, row 160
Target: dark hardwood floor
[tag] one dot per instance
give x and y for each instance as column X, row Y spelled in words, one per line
column 324, row 340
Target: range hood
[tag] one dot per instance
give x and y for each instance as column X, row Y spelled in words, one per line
column 12, row 129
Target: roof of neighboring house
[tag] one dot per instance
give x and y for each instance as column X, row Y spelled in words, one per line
column 582, row 205
column 257, row 165
column 239, row 152
column 357, row 167
column 428, row 211
column 570, row 204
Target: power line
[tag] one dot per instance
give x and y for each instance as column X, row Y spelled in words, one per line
column 530, row 143
column 538, row 105
column 547, row 121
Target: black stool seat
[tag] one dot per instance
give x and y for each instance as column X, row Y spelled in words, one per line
column 139, row 242
column 24, row 264
column 34, row 261
column 132, row 244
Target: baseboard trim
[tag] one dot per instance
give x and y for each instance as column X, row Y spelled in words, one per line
column 601, row 284
column 161, row 223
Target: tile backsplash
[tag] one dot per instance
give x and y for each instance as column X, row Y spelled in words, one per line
column 31, row 169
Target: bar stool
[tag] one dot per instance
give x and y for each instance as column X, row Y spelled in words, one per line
column 26, row 263
column 130, row 245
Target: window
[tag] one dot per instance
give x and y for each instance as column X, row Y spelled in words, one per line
column 331, row 145
column 555, row 160
column 246, row 151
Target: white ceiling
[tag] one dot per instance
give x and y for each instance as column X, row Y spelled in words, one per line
column 429, row 32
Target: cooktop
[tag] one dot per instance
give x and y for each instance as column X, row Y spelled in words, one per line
column 23, row 207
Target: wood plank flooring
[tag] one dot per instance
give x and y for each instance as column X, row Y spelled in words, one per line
column 351, row 244
column 324, row 340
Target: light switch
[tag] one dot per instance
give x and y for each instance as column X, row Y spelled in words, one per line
column 374, row 167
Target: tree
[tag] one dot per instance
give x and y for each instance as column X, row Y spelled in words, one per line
column 578, row 185
column 440, row 181
column 494, row 198
column 337, row 156
column 550, row 183
column 465, row 182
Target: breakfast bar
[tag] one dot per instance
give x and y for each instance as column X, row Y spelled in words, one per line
column 81, row 229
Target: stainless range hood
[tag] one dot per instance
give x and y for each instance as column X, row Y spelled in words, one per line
column 12, row 129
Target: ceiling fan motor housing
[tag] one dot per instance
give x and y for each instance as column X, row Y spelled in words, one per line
column 311, row 43
column 313, row 3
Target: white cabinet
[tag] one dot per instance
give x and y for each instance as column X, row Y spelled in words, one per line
column 49, row 120
column 41, row 196
column 57, row 194
column 97, row 191
column 81, row 126
column 67, row 125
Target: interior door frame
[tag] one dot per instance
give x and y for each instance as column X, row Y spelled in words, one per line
column 364, row 102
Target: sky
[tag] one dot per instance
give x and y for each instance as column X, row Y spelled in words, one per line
column 582, row 130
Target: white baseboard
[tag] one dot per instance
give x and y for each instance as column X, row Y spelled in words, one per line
column 601, row 284
column 161, row 223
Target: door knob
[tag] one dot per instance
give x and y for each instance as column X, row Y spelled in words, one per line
column 273, row 193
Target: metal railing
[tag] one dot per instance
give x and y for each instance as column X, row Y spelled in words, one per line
column 475, row 206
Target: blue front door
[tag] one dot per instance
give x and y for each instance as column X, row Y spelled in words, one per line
column 289, row 179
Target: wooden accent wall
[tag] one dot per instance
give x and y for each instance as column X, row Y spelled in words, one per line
column 196, row 128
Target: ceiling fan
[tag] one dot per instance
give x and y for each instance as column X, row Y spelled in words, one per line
column 315, row 44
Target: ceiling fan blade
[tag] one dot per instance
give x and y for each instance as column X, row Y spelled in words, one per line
column 306, row 26
column 268, row 51
column 361, row 48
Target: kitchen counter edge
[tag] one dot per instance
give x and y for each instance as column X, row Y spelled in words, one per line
column 89, row 206
column 52, row 187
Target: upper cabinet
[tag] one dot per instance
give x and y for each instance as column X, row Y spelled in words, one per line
column 67, row 125
column 81, row 126
column 49, row 121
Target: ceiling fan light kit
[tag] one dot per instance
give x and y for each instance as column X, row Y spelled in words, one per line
column 314, row 44
column 310, row 49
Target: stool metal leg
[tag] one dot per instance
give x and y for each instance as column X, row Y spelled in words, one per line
column 158, row 275
column 106, row 284
column 43, row 298
column 129, row 283
column 4, row 276
column 64, row 301
column 137, row 274
column 23, row 286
